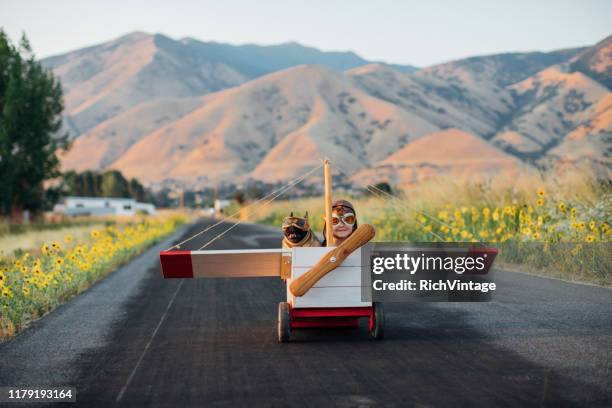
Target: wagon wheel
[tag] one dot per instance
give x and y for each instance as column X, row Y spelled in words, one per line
column 377, row 328
column 284, row 322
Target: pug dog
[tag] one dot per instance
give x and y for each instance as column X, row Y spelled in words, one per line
column 297, row 232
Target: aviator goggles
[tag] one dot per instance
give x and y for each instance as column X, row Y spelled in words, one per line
column 297, row 222
column 347, row 219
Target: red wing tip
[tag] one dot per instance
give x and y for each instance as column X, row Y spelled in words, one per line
column 176, row 264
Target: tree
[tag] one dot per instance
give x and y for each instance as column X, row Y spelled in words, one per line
column 91, row 184
column 380, row 188
column 239, row 197
column 114, row 184
column 108, row 184
column 254, row 191
column 137, row 190
column 30, row 120
column 86, row 184
column 384, row 186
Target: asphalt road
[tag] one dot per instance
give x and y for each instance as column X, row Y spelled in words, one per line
column 136, row 339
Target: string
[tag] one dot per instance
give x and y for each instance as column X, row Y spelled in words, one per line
column 396, row 201
column 400, row 202
column 287, row 187
column 221, row 221
column 379, row 196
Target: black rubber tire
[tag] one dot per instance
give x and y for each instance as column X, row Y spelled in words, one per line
column 284, row 322
column 378, row 332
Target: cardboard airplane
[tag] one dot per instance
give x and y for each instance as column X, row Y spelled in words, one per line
column 323, row 283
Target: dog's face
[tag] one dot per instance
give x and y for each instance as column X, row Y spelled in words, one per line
column 295, row 228
column 294, row 234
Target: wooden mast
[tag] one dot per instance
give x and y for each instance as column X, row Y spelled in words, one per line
column 328, row 210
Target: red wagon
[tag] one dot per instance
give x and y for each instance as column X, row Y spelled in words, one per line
column 334, row 301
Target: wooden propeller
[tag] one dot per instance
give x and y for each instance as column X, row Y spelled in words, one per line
column 332, row 260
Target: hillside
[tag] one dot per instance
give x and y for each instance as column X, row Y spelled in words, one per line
column 195, row 113
column 596, row 62
column 105, row 80
column 274, row 127
column 551, row 105
column 255, row 60
column 448, row 152
column 108, row 141
column 469, row 94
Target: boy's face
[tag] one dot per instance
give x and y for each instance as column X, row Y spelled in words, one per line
column 343, row 220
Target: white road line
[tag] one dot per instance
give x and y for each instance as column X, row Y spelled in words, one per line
column 144, row 351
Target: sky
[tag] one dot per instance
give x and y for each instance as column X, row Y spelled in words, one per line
column 411, row 32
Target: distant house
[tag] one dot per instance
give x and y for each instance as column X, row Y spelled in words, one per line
column 102, row 206
column 220, row 205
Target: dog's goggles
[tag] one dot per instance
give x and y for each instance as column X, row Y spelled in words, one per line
column 296, row 222
column 347, row 219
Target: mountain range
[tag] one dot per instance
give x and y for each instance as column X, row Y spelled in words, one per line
column 197, row 113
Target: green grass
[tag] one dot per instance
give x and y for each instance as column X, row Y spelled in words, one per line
column 13, row 228
column 35, row 282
